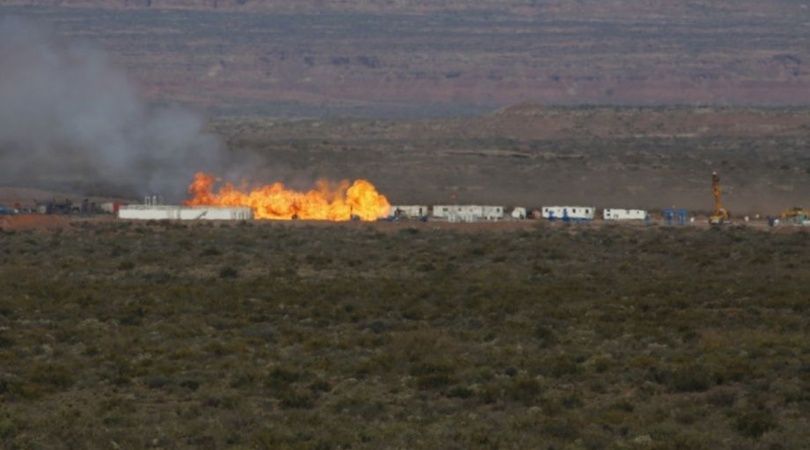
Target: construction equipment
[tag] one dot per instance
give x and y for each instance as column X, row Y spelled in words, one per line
column 796, row 215
column 720, row 215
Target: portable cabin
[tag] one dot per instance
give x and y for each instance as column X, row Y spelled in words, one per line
column 158, row 212
column 467, row 213
column 409, row 211
column 566, row 213
column 674, row 216
column 492, row 212
column 519, row 213
column 624, row 214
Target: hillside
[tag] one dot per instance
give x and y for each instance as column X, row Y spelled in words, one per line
column 651, row 8
column 379, row 58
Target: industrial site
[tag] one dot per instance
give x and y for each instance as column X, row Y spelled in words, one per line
column 410, row 224
column 360, row 201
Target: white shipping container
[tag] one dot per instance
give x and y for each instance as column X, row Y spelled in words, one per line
column 409, row 211
column 148, row 212
column 519, row 213
column 569, row 212
column 624, row 214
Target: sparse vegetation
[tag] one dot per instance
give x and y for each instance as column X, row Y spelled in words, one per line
column 302, row 336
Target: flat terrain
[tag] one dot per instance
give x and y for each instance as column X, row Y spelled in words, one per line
column 525, row 155
column 155, row 335
column 528, row 155
column 429, row 58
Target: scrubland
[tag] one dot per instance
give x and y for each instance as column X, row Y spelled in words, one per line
column 258, row 335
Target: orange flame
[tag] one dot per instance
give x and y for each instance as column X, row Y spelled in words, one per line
column 274, row 201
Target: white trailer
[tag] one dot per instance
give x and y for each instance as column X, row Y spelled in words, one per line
column 519, row 213
column 624, row 214
column 450, row 212
column 467, row 213
column 568, row 212
column 158, row 212
column 412, row 211
column 492, row 212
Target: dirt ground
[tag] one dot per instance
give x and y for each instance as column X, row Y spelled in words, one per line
column 32, row 222
column 44, row 222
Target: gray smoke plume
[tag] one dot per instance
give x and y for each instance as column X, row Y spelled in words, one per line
column 70, row 118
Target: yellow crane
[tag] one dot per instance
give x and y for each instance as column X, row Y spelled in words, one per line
column 720, row 215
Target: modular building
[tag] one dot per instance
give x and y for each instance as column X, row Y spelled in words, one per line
column 414, row 211
column 493, row 212
column 568, row 212
column 467, row 213
column 111, row 207
column 675, row 216
column 157, row 212
column 519, row 213
column 624, row 214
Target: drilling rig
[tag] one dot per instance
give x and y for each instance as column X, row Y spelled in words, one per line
column 720, row 215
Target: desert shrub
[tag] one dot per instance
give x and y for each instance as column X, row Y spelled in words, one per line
column 133, row 317
column 54, row 375
column 190, row 384
column 691, row 378
column 755, row 423
column 545, row 336
column 434, row 381
column 243, row 379
column 296, row 399
column 157, row 381
column 426, row 267
column 524, row 389
column 10, row 384
column 211, row 251
column 561, row 365
column 320, row 386
column 560, row 428
column 733, row 370
column 460, row 392
column 228, row 272
column 5, row 341
column 8, row 429
column 623, row 405
column 262, row 331
column 126, row 265
column 722, row 398
column 281, row 378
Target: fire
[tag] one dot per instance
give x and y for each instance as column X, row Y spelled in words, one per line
column 327, row 201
